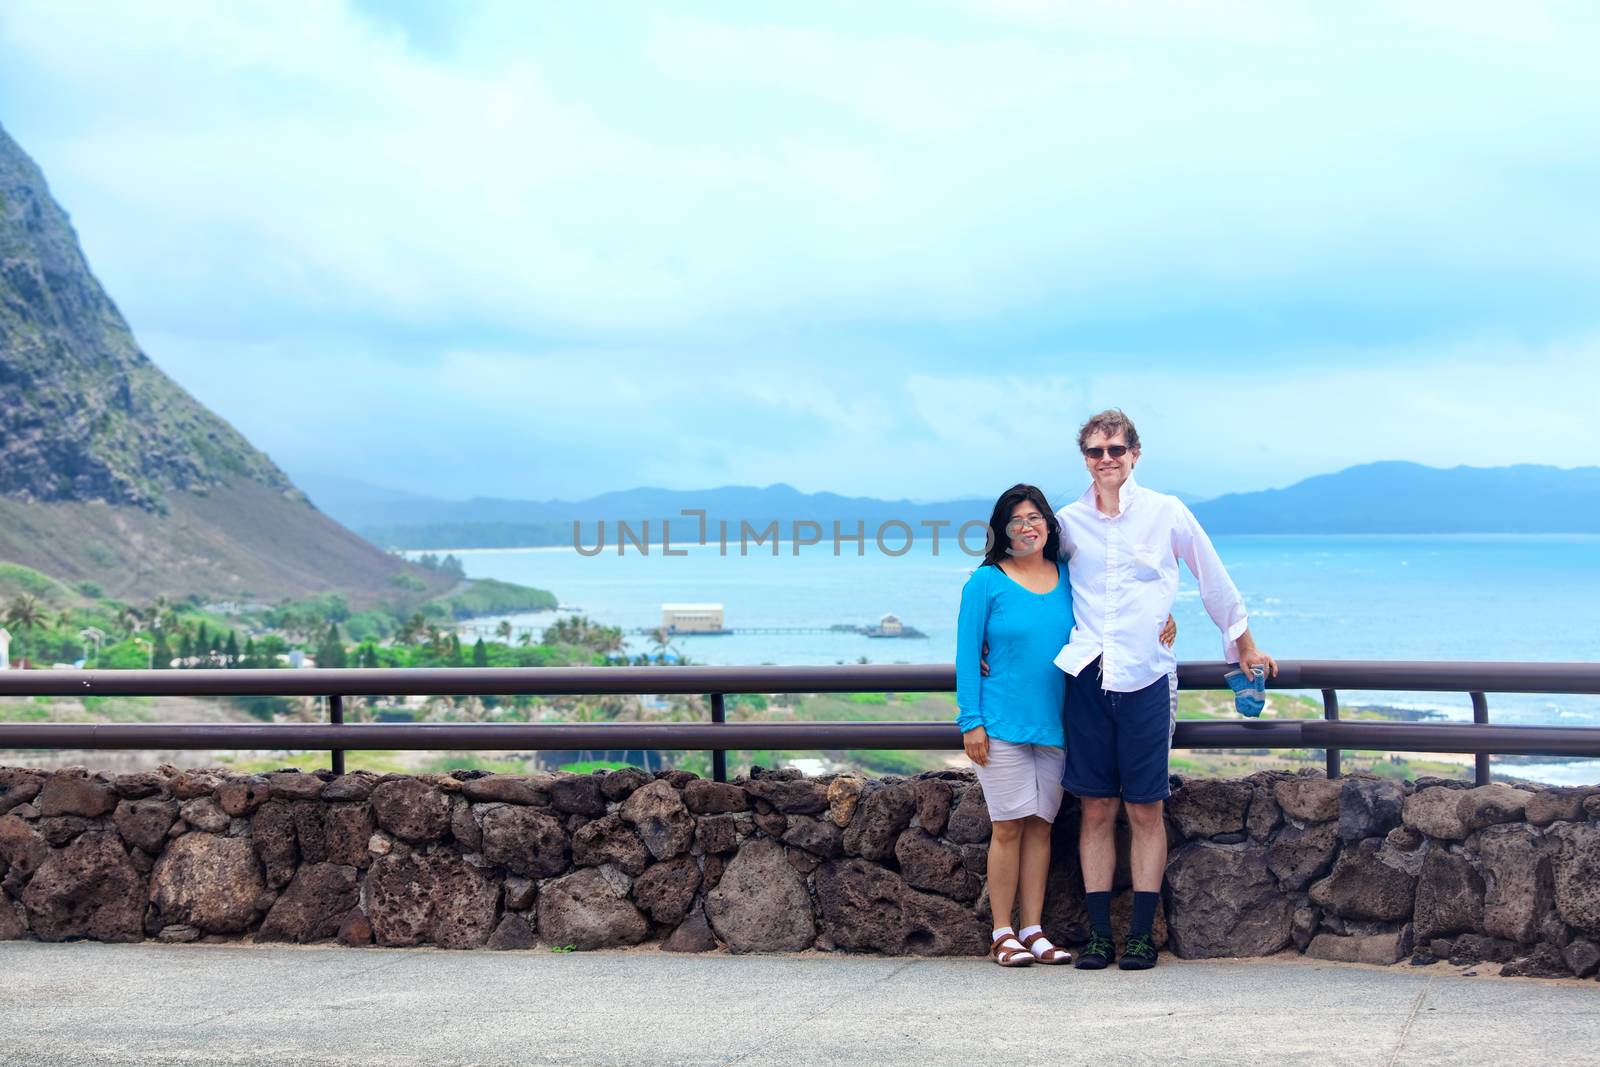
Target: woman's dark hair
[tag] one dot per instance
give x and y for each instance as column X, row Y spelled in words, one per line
column 999, row 546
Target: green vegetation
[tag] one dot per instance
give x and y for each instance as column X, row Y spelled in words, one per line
column 489, row 596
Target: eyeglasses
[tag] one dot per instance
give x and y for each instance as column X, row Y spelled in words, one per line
column 1117, row 451
column 1022, row 522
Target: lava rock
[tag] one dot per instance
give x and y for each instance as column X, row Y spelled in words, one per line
column 1556, row 805
column 208, row 882
column 865, row 906
column 18, row 786
column 411, row 810
column 714, row 798
column 506, row 789
column 135, row 786
column 1224, row 902
column 816, row 835
column 144, row 823
column 584, row 910
column 357, row 785
column 89, row 889
column 1449, row 896
column 665, row 891
column 760, row 904
column 314, row 906
column 844, row 794
column 692, row 935
column 716, row 833
column 525, row 841
column 609, row 840
column 969, row 822
column 1206, row 807
column 513, row 933
column 1382, row 948
column 434, row 898
column 65, row 793
column 927, row 863
column 1307, row 799
column 1362, row 886
column 239, row 797
column 658, row 816
column 348, row 829
column 883, row 813
column 1369, row 807
column 1297, row 856
column 292, row 785
column 203, row 814
column 578, row 795
column 1577, row 876
column 800, row 796
column 934, row 798
column 620, row 784
column 22, row 848
column 1521, row 890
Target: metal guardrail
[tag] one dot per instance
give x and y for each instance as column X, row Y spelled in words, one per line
column 719, row 736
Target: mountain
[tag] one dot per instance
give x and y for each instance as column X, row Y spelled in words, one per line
column 1392, row 497
column 1399, row 497
column 110, row 472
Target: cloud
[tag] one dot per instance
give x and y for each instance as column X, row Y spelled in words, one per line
column 704, row 243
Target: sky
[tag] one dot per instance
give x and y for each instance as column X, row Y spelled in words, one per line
column 546, row 250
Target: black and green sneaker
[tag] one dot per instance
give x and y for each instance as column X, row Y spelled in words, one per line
column 1139, row 954
column 1096, row 955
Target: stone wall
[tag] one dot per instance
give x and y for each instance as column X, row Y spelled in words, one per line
column 1359, row 869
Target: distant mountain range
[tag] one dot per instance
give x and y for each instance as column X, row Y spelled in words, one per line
column 1389, row 497
column 1410, row 498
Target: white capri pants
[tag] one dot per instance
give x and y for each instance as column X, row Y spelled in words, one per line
column 1022, row 780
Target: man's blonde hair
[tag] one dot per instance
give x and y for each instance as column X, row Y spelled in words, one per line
column 1110, row 422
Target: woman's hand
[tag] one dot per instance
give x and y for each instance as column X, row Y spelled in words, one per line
column 976, row 742
column 1169, row 632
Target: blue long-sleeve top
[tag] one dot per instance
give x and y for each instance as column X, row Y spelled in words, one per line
column 1021, row 699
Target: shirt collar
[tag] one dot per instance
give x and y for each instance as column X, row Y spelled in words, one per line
column 1131, row 490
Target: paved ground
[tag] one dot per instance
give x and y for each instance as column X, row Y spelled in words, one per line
column 182, row 1004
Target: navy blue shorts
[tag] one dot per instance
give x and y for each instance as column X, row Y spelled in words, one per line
column 1118, row 743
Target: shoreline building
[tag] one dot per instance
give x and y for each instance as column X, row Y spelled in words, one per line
column 692, row 618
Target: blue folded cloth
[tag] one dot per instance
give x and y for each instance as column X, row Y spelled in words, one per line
column 1249, row 690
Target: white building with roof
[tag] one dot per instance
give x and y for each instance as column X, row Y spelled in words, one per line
column 692, row 618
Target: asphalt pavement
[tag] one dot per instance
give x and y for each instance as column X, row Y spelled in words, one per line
column 88, row 1003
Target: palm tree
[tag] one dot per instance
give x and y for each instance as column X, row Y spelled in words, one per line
column 131, row 619
column 25, row 614
column 503, row 631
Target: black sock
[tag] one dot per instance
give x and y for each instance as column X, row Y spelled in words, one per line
column 1099, row 905
column 1144, row 912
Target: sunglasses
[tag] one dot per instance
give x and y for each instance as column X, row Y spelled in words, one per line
column 1117, row 451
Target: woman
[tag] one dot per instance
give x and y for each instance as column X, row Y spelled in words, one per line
column 1016, row 613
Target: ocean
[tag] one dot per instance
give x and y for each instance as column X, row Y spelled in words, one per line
column 1424, row 597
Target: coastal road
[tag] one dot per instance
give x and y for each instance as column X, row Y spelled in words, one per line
column 86, row 1003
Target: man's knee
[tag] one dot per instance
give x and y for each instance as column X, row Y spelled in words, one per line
column 1145, row 817
column 1099, row 812
column 1007, row 831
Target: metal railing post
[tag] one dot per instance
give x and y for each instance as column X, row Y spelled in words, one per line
column 336, row 718
column 719, row 758
column 1480, row 715
column 1330, row 712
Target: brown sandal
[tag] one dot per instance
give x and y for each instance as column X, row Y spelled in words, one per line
column 1051, row 955
column 1010, row 957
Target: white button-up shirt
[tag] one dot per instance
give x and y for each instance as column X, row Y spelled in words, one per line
column 1124, row 571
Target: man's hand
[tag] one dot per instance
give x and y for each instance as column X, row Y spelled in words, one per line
column 983, row 660
column 976, row 742
column 1251, row 657
column 1169, row 632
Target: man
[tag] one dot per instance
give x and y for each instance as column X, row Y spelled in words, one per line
column 1124, row 543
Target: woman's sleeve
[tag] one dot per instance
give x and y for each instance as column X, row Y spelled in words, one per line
column 970, row 625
